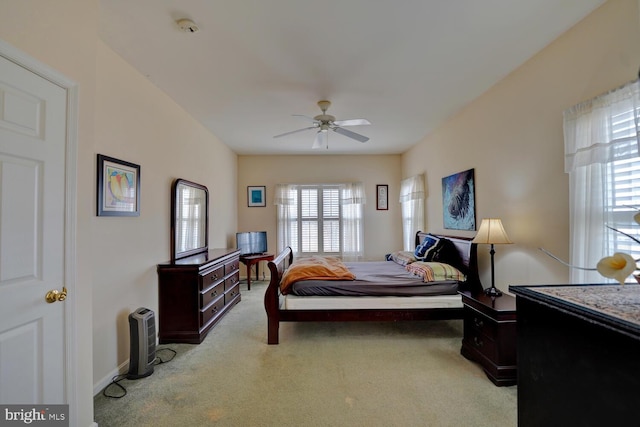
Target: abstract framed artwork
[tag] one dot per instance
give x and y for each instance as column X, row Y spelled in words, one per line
column 118, row 191
column 458, row 201
column 382, row 197
column 256, row 196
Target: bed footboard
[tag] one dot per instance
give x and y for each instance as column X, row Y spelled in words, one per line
column 272, row 294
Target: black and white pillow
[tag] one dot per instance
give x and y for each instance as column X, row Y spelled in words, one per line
column 428, row 244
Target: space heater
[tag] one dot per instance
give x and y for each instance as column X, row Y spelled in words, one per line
column 142, row 329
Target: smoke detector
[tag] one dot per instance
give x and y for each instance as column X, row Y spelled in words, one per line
column 187, row 25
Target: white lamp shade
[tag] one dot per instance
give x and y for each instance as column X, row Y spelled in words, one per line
column 491, row 232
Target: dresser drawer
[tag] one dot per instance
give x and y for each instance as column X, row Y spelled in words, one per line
column 231, row 294
column 210, row 294
column 232, row 266
column 480, row 323
column 231, row 281
column 211, row 311
column 210, row 277
column 481, row 343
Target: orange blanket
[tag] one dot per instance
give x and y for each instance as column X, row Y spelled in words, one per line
column 314, row 268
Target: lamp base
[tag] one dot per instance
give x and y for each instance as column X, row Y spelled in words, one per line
column 493, row 291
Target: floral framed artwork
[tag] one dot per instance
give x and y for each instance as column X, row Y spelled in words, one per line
column 256, row 196
column 458, row 201
column 382, row 197
column 118, row 191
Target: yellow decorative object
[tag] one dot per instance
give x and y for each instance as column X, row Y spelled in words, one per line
column 619, row 266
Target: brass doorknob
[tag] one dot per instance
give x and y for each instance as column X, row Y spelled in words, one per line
column 55, row 295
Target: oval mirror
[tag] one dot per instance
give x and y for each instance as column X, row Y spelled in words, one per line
column 189, row 218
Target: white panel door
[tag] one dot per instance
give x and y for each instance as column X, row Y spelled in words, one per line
column 32, row 219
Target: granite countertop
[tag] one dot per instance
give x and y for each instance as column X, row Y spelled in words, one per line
column 612, row 305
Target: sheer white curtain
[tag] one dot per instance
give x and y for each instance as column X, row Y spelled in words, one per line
column 596, row 133
column 284, row 199
column 412, row 203
column 352, row 199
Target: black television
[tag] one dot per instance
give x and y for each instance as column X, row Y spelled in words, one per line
column 251, row 242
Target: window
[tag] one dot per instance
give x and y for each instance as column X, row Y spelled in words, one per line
column 321, row 219
column 316, row 226
column 623, row 203
column 601, row 157
column 412, row 204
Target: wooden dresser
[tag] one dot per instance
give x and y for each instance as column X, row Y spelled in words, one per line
column 578, row 355
column 195, row 292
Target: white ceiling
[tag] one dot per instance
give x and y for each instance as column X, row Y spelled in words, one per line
column 405, row 65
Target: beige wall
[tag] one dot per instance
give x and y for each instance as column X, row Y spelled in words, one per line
column 382, row 229
column 512, row 137
column 136, row 122
column 121, row 115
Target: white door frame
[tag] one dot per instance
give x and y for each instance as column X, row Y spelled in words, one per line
column 71, row 372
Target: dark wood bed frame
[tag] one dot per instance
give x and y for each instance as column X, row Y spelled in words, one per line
column 276, row 315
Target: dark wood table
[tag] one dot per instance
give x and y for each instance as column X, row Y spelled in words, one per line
column 578, row 348
column 249, row 260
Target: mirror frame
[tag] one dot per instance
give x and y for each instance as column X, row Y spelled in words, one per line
column 175, row 253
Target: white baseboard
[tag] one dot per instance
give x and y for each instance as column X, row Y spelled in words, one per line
column 106, row 380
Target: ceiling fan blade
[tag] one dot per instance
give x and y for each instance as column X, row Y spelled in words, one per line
column 320, row 141
column 350, row 134
column 302, row 116
column 352, row 122
column 294, row 131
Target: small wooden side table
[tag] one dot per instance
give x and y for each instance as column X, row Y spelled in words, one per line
column 490, row 335
column 249, row 260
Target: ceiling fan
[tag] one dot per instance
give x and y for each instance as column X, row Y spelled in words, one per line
column 325, row 122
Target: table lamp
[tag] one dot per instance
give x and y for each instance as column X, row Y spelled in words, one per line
column 492, row 232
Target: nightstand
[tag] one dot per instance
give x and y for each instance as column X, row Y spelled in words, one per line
column 490, row 335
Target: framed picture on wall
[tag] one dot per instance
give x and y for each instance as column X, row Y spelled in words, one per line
column 256, row 196
column 459, row 201
column 382, row 197
column 118, row 191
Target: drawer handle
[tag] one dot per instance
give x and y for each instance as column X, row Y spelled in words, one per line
column 214, row 276
column 478, row 322
column 477, row 341
column 214, row 293
column 214, row 310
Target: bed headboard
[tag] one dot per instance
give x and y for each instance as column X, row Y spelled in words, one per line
column 468, row 252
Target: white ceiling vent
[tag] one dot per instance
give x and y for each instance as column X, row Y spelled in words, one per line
column 187, row 25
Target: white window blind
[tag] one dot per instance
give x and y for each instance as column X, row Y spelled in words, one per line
column 321, row 219
column 622, row 204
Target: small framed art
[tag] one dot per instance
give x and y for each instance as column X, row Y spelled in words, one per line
column 118, row 191
column 256, row 196
column 382, row 197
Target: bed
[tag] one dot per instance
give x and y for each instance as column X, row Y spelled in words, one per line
column 360, row 300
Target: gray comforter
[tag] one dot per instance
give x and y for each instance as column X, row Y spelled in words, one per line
column 375, row 278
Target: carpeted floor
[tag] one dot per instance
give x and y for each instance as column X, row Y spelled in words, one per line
column 321, row 374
